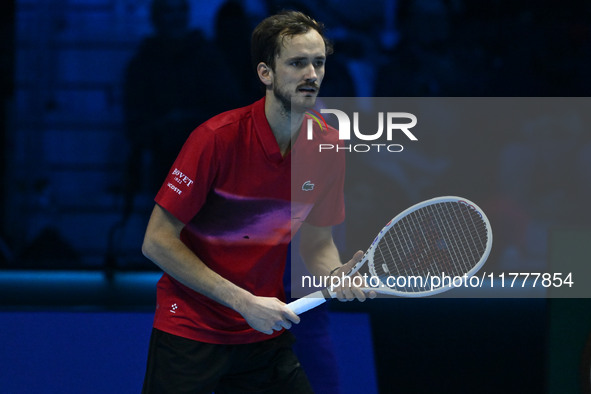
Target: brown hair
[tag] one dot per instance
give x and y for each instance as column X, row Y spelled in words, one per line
column 267, row 37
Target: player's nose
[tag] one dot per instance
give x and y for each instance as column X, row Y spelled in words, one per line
column 311, row 74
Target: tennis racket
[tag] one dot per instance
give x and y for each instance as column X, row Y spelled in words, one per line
column 442, row 237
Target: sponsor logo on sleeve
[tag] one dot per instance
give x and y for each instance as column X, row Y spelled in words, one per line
column 181, row 180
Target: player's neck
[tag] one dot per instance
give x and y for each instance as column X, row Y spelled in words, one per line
column 284, row 124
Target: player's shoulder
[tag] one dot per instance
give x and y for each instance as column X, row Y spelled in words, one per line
column 224, row 126
column 326, row 133
column 230, row 121
column 332, row 135
column 226, row 120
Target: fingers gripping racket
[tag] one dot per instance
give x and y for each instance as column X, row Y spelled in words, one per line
column 444, row 236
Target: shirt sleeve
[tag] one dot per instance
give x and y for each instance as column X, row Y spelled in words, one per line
column 191, row 177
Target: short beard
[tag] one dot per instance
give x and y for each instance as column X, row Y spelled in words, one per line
column 287, row 106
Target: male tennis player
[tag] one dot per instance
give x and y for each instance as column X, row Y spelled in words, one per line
column 222, row 224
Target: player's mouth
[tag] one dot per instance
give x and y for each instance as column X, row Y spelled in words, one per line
column 308, row 89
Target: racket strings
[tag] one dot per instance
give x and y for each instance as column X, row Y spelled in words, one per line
column 444, row 238
column 466, row 237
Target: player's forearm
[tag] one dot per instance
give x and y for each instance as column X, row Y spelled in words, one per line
column 162, row 245
column 320, row 257
column 174, row 258
column 265, row 314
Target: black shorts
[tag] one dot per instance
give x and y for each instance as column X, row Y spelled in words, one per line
column 179, row 365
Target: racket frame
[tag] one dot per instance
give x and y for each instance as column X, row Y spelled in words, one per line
column 319, row 297
column 369, row 254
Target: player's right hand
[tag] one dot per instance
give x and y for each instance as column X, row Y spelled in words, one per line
column 267, row 315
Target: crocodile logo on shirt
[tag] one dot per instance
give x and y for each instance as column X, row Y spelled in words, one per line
column 308, row 186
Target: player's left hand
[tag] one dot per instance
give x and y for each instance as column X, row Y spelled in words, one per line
column 352, row 290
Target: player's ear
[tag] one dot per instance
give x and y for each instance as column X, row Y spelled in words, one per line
column 265, row 73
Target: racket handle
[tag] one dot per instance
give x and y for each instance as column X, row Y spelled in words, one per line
column 308, row 302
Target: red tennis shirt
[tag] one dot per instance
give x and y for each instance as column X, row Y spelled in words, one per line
column 241, row 200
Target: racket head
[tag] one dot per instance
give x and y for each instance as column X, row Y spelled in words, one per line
column 442, row 236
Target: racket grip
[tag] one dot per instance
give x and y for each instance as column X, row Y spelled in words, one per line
column 308, row 302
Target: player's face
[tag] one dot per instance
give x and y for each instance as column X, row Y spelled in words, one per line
column 299, row 70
